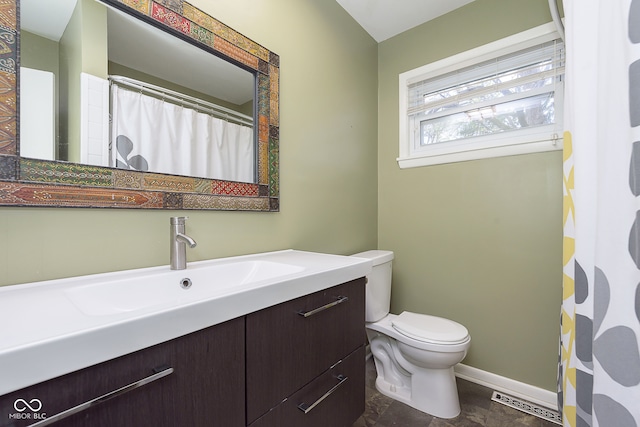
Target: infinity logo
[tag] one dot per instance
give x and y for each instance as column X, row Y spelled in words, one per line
column 21, row 405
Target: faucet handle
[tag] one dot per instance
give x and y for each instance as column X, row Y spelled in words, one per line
column 178, row 220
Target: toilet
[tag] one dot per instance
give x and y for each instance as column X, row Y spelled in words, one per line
column 414, row 354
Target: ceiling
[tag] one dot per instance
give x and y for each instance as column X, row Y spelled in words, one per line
column 383, row 19
column 46, row 18
column 140, row 46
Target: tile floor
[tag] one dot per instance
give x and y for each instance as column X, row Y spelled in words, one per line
column 477, row 410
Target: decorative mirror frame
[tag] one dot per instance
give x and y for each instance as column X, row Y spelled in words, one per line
column 31, row 182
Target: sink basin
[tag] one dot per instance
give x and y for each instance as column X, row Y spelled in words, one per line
column 175, row 287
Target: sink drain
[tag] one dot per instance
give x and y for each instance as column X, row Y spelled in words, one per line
column 185, row 283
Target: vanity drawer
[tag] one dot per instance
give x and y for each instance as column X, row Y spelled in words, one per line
column 335, row 398
column 200, row 382
column 290, row 344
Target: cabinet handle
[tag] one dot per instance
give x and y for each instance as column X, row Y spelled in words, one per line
column 307, row 408
column 98, row 400
column 339, row 300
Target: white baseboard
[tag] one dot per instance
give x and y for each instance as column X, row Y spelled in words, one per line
column 506, row 385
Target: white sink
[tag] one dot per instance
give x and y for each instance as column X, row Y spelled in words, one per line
column 174, row 287
column 59, row 326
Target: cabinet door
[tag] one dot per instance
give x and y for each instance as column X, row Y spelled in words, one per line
column 335, row 398
column 286, row 350
column 205, row 388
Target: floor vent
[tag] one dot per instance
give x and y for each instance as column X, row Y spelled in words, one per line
column 528, row 407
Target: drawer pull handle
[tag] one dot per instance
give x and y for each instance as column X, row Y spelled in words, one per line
column 101, row 399
column 307, row 408
column 339, row 300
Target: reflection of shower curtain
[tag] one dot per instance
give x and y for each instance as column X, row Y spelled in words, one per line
column 600, row 360
column 150, row 134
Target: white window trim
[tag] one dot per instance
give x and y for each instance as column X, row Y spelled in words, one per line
column 548, row 139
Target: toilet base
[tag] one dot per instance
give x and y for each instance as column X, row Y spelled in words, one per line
column 416, row 373
column 434, row 392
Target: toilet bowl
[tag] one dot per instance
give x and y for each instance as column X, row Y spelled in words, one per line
column 414, row 354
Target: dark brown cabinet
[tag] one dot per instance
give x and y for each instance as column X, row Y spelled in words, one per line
column 206, row 387
column 299, row 363
column 294, row 343
column 337, row 393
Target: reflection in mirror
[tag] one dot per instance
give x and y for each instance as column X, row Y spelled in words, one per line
column 146, row 100
column 30, row 181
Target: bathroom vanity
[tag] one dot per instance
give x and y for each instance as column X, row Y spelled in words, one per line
column 305, row 360
column 204, row 385
column 288, row 350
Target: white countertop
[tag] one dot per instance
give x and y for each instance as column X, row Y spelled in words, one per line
column 45, row 334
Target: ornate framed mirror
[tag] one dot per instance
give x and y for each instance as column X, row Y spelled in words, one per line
column 26, row 180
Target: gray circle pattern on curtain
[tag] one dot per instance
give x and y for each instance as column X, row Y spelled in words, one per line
column 613, row 347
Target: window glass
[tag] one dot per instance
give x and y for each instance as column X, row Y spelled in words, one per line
column 513, row 115
column 498, row 100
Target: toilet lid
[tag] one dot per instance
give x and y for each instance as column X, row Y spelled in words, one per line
column 431, row 329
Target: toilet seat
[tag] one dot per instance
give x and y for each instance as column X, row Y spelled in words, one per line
column 430, row 329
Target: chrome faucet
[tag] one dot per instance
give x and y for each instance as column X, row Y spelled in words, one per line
column 179, row 242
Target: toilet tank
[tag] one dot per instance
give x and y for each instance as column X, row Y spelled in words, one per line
column 378, row 290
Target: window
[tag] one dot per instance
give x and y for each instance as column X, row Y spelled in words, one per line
column 500, row 99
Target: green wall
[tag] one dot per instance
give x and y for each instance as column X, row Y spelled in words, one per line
column 38, row 52
column 479, row 242
column 328, row 177
column 83, row 48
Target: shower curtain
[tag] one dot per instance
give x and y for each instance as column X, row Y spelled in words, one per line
column 599, row 376
column 149, row 134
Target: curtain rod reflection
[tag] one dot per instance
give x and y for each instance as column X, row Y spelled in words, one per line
column 184, row 100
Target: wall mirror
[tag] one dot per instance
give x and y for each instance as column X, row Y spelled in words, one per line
column 79, row 153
